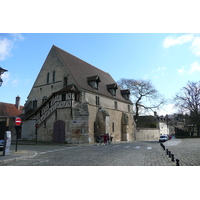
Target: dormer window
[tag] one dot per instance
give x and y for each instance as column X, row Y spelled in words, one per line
column 112, row 88
column 125, row 94
column 94, row 81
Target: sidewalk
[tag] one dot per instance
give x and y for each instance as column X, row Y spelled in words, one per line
column 186, row 150
column 23, row 153
column 19, row 155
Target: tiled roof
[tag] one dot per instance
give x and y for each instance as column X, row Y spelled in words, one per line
column 81, row 71
column 9, row 110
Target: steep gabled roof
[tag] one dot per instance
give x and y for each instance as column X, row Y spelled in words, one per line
column 9, row 110
column 81, row 70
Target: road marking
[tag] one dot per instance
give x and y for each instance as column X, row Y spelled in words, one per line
column 42, row 152
column 43, row 161
column 149, row 147
column 137, row 147
column 116, row 146
column 50, row 151
column 173, row 142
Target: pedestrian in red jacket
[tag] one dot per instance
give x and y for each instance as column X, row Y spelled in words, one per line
column 105, row 138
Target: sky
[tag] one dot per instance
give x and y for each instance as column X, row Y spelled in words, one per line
column 168, row 60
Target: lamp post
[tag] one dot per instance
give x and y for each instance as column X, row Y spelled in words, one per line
column 1, row 72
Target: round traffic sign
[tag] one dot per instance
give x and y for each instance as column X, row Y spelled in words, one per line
column 18, row 121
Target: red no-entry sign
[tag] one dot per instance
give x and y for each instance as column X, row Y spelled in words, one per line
column 18, row 121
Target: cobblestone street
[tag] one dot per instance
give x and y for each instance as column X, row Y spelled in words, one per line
column 118, row 154
column 137, row 153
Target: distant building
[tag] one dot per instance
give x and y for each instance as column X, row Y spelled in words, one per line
column 72, row 101
column 8, row 113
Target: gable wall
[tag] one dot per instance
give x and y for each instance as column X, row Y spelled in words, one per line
column 41, row 88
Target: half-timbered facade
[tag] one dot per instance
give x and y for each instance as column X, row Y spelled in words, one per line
column 72, row 101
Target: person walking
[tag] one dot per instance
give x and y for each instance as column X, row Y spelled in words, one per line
column 105, row 139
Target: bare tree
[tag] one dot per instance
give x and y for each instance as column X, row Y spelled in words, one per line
column 188, row 101
column 144, row 95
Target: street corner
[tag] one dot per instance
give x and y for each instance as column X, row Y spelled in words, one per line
column 19, row 155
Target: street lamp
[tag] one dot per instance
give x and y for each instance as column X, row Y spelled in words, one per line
column 1, row 72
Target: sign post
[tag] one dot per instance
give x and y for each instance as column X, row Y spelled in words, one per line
column 18, row 129
column 36, row 127
column 7, row 142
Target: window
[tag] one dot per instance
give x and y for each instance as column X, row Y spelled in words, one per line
column 34, row 103
column 49, row 104
column 65, row 81
column 75, row 97
column 54, row 76
column 47, row 77
column 56, row 114
column 112, row 88
column 44, row 99
column 125, row 94
column 63, row 97
column 116, row 107
column 113, row 127
column 97, row 100
column 94, row 81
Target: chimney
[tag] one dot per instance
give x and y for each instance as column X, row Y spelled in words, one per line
column 17, row 103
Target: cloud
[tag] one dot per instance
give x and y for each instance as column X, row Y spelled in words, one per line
column 167, row 109
column 7, row 44
column 17, row 36
column 196, row 46
column 15, row 82
column 195, row 67
column 161, row 68
column 6, row 78
column 171, row 40
column 181, row 70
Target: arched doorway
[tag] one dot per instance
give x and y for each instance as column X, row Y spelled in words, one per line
column 59, row 131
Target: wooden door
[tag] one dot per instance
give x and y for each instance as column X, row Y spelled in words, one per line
column 59, row 132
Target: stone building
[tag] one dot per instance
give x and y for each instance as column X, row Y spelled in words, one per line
column 72, row 101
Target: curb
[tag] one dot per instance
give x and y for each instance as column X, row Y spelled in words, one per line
column 18, row 158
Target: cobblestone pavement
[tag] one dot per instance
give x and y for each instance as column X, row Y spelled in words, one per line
column 117, row 154
column 186, row 150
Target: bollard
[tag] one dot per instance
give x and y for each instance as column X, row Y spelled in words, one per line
column 177, row 162
column 169, row 154
column 172, row 157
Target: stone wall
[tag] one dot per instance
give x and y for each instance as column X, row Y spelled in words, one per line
column 41, row 88
column 147, row 134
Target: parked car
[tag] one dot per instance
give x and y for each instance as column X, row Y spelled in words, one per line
column 163, row 138
column 1, row 145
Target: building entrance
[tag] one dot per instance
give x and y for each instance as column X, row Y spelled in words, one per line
column 59, row 131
